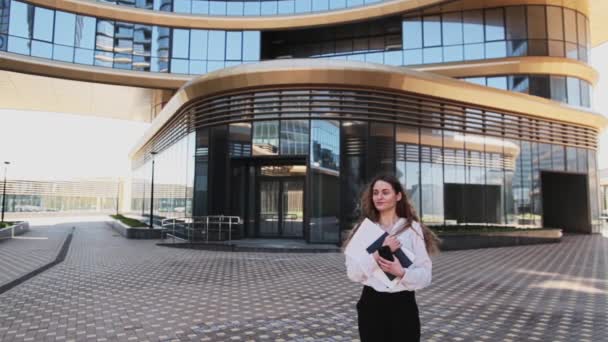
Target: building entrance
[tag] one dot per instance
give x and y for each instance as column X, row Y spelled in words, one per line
column 269, row 195
column 566, row 202
column 281, row 207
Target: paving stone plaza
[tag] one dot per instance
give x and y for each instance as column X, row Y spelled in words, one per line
column 113, row 289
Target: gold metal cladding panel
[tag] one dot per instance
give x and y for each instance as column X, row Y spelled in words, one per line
column 504, row 66
column 71, row 71
column 307, row 72
column 515, row 65
column 463, row 5
column 130, row 14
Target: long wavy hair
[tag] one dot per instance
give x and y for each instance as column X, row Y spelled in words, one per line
column 403, row 209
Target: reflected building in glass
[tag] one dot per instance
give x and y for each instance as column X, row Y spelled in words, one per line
column 482, row 109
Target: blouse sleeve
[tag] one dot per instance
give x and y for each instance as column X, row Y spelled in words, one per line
column 418, row 275
column 359, row 271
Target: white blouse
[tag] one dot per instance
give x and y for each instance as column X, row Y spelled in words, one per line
column 417, row 275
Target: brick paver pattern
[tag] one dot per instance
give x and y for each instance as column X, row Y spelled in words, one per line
column 113, row 289
column 32, row 250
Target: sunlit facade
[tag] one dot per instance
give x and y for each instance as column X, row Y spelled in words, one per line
column 478, row 107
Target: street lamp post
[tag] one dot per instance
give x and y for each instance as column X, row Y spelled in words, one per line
column 4, row 191
column 152, row 192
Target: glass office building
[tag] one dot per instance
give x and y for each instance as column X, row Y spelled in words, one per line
column 293, row 105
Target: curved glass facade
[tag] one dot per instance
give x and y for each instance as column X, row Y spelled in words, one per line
column 67, row 37
column 460, row 165
column 245, row 7
column 570, row 90
column 449, row 37
column 496, row 33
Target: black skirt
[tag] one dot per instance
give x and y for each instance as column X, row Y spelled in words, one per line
column 388, row 317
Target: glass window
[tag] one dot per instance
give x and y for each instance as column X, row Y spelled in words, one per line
column 85, row 32
column 325, row 145
column 234, row 8
column 571, row 50
column 496, row 49
column 412, row 57
column 516, row 22
column 499, row 82
column 408, row 162
column 556, row 48
column 517, row 48
column 570, row 25
column 320, row 5
column 294, row 137
column 539, row 86
column 473, row 27
column 581, row 29
column 382, row 142
column 181, row 39
column 43, row 24
column 453, row 53
column 303, row 6
column 83, row 56
column 537, row 47
column 571, row 164
column 217, row 40
column 268, row 7
column 431, row 173
column 393, row 58
column 179, row 66
column 251, row 45
column 555, row 23
column 234, row 41
column 217, row 7
column 42, row 49
column 558, row 89
column 432, row 30
column 200, row 7
column 286, row 7
column 433, row 55
column 324, row 203
column 452, row 28
column 412, row 33
column 265, row 138
column 585, row 94
column 495, row 26
column 559, row 157
column 574, row 91
column 537, row 25
column 65, row 27
column 21, row 16
column 215, row 65
column 198, row 67
column 64, row 53
column 520, row 84
column 474, row 51
column 198, row 44
column 476, row 80
column 181, row 6
column 240, row 139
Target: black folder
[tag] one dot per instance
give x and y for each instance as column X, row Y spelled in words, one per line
column 403, row 259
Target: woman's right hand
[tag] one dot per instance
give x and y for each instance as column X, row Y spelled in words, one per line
column 392, row 242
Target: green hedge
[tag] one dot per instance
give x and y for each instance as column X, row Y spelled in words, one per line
column 6, row 224
column 463, row 229
column 129, row 221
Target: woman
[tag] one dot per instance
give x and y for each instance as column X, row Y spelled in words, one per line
column 391, row 314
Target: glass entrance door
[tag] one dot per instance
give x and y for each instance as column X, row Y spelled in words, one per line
column 281, row 203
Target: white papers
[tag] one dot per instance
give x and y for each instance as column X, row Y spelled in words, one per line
column 367, row 233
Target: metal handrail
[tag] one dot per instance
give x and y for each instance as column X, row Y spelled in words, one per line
column 202, row 224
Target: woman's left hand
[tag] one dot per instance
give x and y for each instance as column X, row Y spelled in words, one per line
column 393, row 267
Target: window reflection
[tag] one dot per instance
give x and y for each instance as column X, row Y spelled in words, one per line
column 265, row 138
